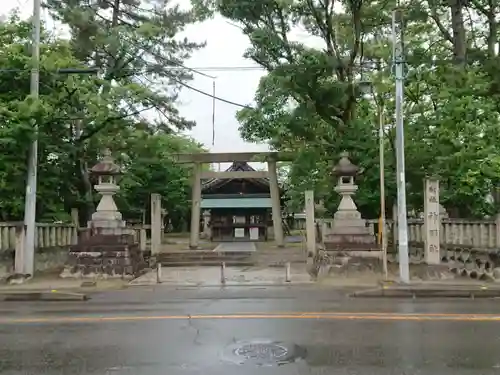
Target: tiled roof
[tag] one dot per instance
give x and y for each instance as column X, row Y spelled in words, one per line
column 235, row 167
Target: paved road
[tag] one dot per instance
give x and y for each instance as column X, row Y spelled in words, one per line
column 208, row 331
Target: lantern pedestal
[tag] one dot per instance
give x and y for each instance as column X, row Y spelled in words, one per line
column 349, row 231
column 108, row 249
column 107, row 215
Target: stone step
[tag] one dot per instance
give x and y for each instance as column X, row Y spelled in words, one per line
column 347, row 246
column 206, row 254
column 208, row 263
column 284, row 259
column 205, row 258
column 281, row 257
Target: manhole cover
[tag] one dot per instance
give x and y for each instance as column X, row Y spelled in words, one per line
column 263, row 353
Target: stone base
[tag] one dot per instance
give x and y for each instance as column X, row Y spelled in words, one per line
column 343, row 263
column 105, row 256
column 106, row 223
column 351, row 242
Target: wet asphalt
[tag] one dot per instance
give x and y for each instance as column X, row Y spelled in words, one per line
column 274, row 330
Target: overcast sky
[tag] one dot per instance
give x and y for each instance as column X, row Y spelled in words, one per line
column 225, row 47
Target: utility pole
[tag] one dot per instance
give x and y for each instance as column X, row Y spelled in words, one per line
column 383, row 230
column 397, row 35
column 30, row 202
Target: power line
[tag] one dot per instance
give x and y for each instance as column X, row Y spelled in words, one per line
column 213, row 96
column 94, row 71
column 237, row 68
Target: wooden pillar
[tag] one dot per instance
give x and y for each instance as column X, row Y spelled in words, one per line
column 310, row 225
column 276, row 205
column 155, row 223
column 432, row 222
column 195, row 207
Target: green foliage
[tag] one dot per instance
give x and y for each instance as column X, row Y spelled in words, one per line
column 311, row 103
column 78, row 115
column 150, row 168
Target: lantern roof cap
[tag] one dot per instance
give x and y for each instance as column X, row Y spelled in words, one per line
column 106, row 166
column 344, row 167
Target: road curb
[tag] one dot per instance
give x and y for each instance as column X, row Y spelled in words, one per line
column 228, row 285
column 422, row 292
column 54, row 296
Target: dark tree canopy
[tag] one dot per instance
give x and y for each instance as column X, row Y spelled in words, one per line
column 316, row 54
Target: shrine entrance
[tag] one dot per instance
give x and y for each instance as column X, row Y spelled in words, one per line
column 234, row 225
column 239, row 204
column 237, row 209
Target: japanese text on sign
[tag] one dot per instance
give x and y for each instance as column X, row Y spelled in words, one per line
column 432, row 223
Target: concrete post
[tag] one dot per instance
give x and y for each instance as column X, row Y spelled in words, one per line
column 195, row 207
column 206, row 224
column 497, row 230
column 432, row 222
column 158, row 273
column 19, row 250
column 395, row 227
column 310, row 225
column 276, row 204
column 223, row 273
column 143, row 239
column 163, row 215
column 75, row 218
column 155, row 223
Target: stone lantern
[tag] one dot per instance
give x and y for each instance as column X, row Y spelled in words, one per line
column 345, row 172
column 110, row 249
column 349, row 230
column 107, row 172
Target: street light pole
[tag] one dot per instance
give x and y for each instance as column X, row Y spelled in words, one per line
column 382, row 190
column 28, row 255
column 404, row 271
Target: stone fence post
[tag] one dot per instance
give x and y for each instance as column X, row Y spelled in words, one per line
column 155, row 223
column 395, row 228
column 432, row 222
column 19, row 250
column 310, row 223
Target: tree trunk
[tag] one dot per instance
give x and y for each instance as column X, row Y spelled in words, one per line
column 458, row 29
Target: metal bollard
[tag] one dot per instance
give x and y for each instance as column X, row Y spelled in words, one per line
column 223, row 273
column 158, row 273
column 288, row 277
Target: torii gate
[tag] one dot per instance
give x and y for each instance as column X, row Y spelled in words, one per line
column 198, row 159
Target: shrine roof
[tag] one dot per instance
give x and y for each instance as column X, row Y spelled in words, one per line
column 235, row 167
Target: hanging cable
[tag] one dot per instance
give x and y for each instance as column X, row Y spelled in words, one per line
column 212, row 96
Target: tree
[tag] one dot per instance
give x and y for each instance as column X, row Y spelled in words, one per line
column 150, row 168
column 134, row 44
column 141, row 145
column 310, row 103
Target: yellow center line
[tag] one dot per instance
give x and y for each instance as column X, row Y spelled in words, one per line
column 263, row 316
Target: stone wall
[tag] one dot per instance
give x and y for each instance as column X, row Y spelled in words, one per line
column 468, row 248
column 52, row 241
column 479, row 234
column 47, row 260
